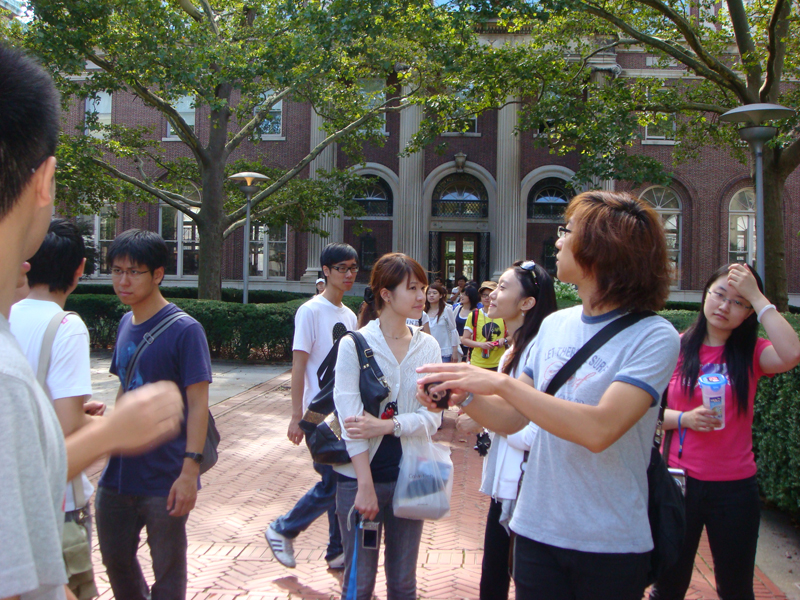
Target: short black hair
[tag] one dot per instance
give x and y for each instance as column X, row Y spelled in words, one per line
column 336, row 253
column 59, row 256
column 460, row 277
column 141, row 247
column 30, row 109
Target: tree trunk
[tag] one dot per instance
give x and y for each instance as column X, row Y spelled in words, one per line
column 777, row 289
column 211, row 224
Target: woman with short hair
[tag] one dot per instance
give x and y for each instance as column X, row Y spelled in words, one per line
column 581, row 522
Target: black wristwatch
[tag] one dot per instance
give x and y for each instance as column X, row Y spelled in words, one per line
column 195, row 456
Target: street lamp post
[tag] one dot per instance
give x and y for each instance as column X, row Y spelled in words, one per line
column 757, row 135
column 246, row 180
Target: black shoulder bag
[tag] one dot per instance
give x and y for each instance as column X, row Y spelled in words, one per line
column 665, row 507
column 210, row 454
column 320, row 423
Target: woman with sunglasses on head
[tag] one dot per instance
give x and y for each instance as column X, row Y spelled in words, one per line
column 581, row 523
column 375, row 445
column 524, row 297
column 717, row 456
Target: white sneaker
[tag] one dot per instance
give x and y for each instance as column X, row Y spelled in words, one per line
column 281, row 547
column 336, row 562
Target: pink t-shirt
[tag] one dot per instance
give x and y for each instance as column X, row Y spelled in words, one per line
column 720, row 455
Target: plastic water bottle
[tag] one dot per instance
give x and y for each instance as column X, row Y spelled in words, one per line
column 713, row 388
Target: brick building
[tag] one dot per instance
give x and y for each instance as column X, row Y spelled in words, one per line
column 490, row 199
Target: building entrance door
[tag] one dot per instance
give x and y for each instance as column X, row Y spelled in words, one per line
column 459, row 252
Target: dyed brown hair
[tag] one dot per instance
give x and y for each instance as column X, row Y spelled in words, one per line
column 619, row 240
column 389, row 271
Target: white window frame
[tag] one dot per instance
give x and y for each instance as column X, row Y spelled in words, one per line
column 261, row 241
column 370, row 87
column 277, row 108
column 750, row 215
column 101, row 270
column 103, row 118
column 184, row 107
column 183, row 220
column 659, row 194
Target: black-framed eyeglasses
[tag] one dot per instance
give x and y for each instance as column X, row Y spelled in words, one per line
column 563, row 231
column 344, row 269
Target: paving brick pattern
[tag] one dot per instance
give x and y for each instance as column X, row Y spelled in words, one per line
column 260, row 475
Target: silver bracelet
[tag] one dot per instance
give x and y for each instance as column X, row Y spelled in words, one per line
column 470, row 397
column 763, row 310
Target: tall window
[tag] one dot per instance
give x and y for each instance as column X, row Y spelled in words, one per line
column 377, row 200
column 272, row 125
column 102, row 229
column 185, row 108
column 267, row 251
column 183, row 240
column 463, row 119
column 374, row 91
column 460, row 195
column 369, row 251
column 742, row 227
column 100, row 108
column 548, row 199
column 668, row 206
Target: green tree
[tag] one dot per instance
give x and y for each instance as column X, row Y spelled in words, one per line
column 560, row 67
column 236, row 60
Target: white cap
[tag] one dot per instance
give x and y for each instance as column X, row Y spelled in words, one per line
column 320, row 280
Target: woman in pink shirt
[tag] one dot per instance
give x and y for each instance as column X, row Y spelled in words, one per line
column 721, row 489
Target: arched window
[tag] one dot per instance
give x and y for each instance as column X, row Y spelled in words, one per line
column 460, row 195
column 548, row 199
column 668, row 205
column 377, row 199
column 742, row 227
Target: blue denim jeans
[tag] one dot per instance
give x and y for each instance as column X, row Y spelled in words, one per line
column 120, row 519
column 318, row 500
column 401, row 538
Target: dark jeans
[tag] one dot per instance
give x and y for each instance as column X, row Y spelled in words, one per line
column 495, row 578
column 120, row 519
column 543, row 572
column 318, row 500
column 731, row 513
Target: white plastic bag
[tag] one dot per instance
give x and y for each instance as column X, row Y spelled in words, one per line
column 425, row 482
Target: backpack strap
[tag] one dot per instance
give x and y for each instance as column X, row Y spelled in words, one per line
column 148, row 339
column 47, row 347
column 590, row 347
column 475, row 324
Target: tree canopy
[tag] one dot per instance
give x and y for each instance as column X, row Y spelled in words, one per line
column 233, row 61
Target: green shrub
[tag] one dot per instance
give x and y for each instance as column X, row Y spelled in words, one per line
column 228, row 294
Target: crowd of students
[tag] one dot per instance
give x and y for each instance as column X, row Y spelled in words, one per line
column 566, row 469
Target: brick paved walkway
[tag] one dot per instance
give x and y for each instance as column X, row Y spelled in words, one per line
column 260, row 475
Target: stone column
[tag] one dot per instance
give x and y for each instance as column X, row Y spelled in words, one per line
column 409, row 233
column 508, row 219
column 333, row 224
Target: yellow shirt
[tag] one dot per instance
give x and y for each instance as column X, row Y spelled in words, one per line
column 486, row 330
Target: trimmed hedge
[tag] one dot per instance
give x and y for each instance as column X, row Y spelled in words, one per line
column 228, row 294
column 265, row 331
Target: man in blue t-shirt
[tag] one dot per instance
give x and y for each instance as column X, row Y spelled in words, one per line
column 156, row 490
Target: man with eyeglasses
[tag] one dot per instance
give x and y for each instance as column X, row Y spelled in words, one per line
column 317, row 325
column 158, row 489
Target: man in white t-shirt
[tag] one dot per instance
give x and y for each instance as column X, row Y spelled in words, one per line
column 54, row 273
column 317, row 325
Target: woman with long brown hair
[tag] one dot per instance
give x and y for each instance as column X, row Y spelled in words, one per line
column 442, row 322
column 375, row 445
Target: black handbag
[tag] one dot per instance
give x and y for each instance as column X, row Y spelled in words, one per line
column 320, row 423
column 665, row 507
